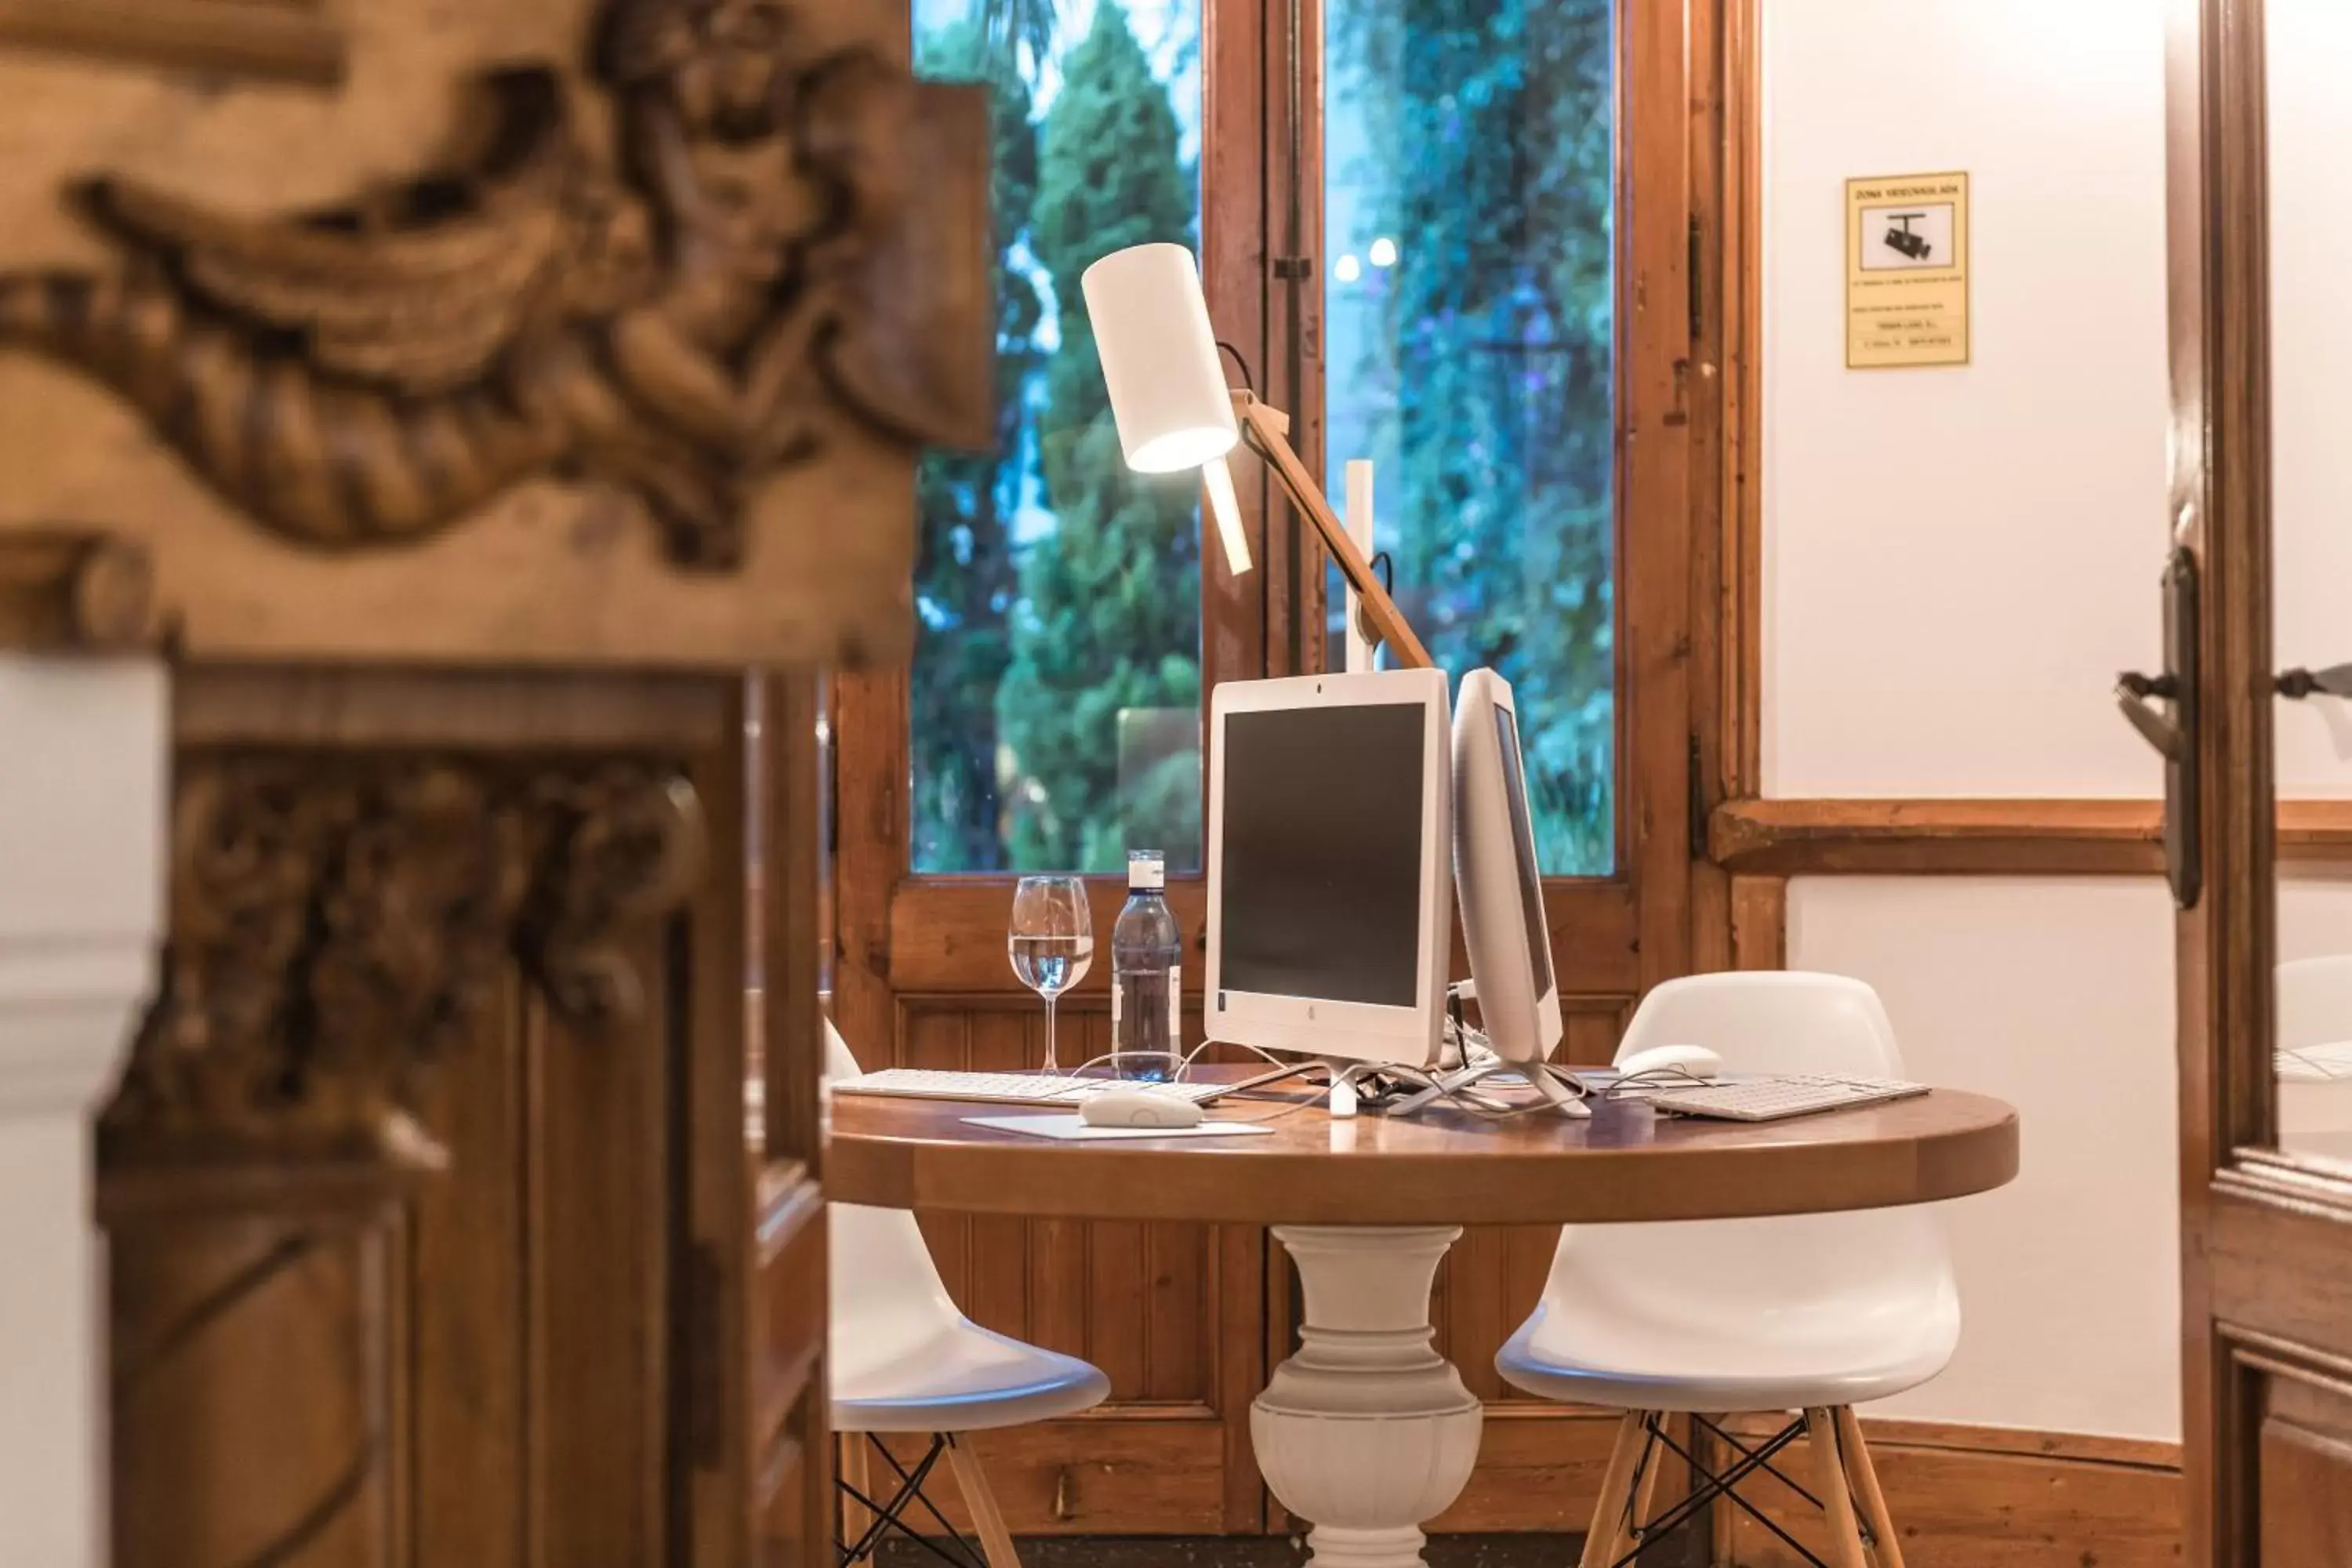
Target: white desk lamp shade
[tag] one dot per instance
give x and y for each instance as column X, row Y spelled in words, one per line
column 1168, row 390
column 1159, row 358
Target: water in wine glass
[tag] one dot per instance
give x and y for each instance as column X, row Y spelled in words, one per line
column 1051, row 941
column 1050, row 965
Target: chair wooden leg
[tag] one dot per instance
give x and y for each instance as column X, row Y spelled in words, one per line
column 987, row 1519
column 1645, row 1489
column 1605, row 1541
column 854, row 1462
column 1866, row 1489
column 1837, row 1498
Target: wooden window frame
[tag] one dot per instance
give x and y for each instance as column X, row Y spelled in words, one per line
column 1684, row 503
column 1685, row 579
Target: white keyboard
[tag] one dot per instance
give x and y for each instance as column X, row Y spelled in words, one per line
column 1012, row 1088
column 1770, row 1099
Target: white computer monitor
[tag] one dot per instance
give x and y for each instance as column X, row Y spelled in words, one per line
column 1497, row 878
column 1330, row 875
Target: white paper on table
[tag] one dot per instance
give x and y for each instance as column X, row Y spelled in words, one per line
column 1072, row 1129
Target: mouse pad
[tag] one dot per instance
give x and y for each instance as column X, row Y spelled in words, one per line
column 1070, row 1129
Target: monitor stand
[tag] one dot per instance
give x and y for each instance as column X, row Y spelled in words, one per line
column 1556, row 1084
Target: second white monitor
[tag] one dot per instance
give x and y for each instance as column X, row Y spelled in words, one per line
column 1497, row 877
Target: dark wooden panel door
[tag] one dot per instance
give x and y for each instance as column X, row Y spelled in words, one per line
column 408, row 1185
column 2266, row 1210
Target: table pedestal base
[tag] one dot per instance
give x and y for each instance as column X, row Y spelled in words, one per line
column 1367, row 1430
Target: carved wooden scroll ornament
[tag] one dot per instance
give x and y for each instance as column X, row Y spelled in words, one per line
column 674, row 310
column 339, row 925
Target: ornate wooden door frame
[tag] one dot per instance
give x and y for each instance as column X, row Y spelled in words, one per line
column 2266, row 1239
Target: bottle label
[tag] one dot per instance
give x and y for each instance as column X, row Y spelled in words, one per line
column 1175, row 1011
column 1146, row 876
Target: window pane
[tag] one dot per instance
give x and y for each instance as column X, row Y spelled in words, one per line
column 1056, row 682
column 1469, row 155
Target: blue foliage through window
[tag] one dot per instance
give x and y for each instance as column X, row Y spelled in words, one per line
column 1055, row 692
column 1469, row 154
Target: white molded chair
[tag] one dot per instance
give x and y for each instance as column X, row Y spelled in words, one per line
column 2314, row 1055
column 904, row 1360
column 1813, row 1313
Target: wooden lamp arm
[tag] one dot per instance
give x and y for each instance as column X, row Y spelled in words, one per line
column 1267, row 431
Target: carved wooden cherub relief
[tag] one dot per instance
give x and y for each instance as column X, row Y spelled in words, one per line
column 672, row 308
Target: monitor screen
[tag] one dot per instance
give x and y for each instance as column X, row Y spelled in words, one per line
column 1320, row 874
column 1523, row 843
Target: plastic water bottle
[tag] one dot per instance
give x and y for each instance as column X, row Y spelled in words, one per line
column 1146, row 971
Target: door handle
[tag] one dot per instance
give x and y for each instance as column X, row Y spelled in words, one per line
column 2298, row 683
column 2172, row 728
column 2133, row 691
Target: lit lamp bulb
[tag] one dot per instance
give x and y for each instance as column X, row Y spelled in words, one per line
column 1168, row 391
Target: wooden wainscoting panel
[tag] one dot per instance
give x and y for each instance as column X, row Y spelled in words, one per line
column 1170, row 1313
column 1121, row 1471
column 1967, row 1496
column 258, row 1411
column 2306, row 1481
column 1539, row 1469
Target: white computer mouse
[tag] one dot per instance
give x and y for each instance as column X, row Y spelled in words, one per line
column 1696, row 1060
column 1138, row 1107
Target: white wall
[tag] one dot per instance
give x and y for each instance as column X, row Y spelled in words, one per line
column 2055, row 994
column 1957, row 562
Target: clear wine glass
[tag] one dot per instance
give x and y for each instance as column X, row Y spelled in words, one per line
column 1052, row 941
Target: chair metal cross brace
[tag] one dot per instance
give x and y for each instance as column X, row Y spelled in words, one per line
column 1725, row 1485
column 887, row 1517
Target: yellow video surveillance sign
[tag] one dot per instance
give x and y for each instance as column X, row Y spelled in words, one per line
column 1906, row 280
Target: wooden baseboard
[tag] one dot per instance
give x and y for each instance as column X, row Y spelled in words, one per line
column 1962, row 1497
column 1980, row 1497
column 1099, row 1476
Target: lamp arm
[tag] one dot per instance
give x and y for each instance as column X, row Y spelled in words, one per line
column 1267, row 430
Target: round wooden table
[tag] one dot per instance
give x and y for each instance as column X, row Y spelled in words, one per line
column 1367, row 1430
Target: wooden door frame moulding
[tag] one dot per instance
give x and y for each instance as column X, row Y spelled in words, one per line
column 2239, row 1248
column 1733, row 921
column 2013, row 838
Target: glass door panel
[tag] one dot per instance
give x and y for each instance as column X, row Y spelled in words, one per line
column 1055, row 693
column 2309, row 50
column 1470, row 155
